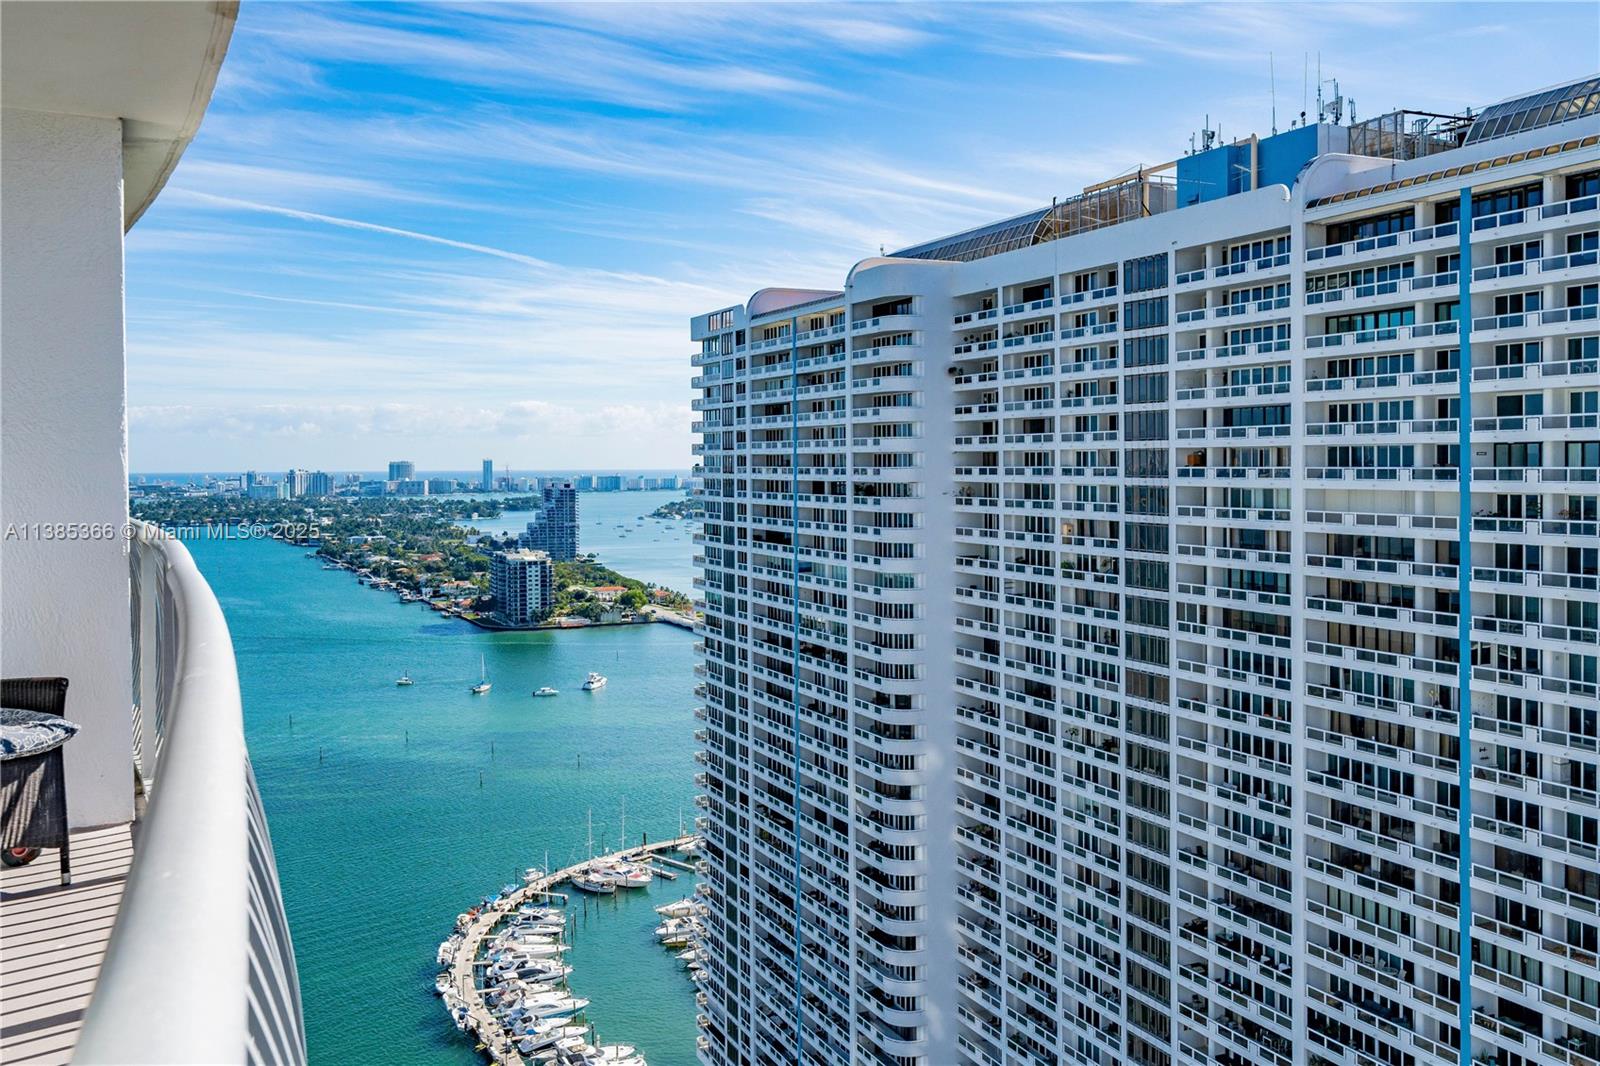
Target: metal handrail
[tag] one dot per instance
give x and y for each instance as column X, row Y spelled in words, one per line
column 199, row 968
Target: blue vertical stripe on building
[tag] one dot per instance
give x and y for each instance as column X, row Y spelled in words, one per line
column 1464, row 619
column 794, row 548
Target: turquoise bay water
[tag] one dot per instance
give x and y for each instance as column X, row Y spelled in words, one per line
column 393, row 809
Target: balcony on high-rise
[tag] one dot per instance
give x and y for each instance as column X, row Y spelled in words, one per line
column 164, row 937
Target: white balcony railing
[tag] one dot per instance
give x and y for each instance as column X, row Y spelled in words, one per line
column 199, row 967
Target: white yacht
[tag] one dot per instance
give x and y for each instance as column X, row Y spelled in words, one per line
column 625, row 874
column 594, row 681
column 404, row 679
column 682, row 908
column 545, row 691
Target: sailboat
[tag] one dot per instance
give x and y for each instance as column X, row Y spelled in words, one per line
column 404, row 679
column 588, row 879
column 483, row 679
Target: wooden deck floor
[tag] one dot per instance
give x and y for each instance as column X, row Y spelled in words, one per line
column 52, row 939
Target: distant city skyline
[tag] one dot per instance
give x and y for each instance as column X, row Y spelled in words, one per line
column 400, row 227
column 378, row 469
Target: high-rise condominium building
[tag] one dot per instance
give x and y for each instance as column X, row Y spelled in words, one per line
column 487, row 482
column 319, row 483
column 402, row 470
column 520, row 582
column 298, row 482
column 555, row 528
column 1108, row 609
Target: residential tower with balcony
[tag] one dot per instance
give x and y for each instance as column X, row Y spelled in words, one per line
column 1163, row 627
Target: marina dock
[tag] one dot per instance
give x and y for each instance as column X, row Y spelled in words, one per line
column 497, row 1043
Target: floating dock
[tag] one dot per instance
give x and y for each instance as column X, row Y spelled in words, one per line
column 496, row 1042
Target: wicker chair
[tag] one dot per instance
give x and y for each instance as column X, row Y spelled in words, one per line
column 33, row 790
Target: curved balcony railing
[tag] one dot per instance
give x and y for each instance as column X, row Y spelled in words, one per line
column 200, row 967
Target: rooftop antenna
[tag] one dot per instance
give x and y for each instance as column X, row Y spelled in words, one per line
column 1319, row 87
column 1305, row 84
column 1272, row 79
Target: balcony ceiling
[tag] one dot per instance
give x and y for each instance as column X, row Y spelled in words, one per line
column 153, row 65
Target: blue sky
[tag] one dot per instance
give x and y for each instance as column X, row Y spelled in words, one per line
column 456, row 231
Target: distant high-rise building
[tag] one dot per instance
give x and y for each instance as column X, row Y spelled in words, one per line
column 411, row 487
column 1161, row 629
column 297, row 481
column 608, row 483
column 268, row 490
column 248, row 481
column 555, row 528
column 520, row 583
column 402, row 470
column 584, row 482
column 439, row 486
column 319, row 483
column 487, row 484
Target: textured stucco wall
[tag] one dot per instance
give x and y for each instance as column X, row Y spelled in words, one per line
column 63, row 437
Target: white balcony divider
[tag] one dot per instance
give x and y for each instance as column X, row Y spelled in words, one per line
column 199, row 968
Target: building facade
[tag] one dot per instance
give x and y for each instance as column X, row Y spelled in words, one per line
column 1108, row 609
column 555, row 529
column 487, row 481
column 521, row 584
column 402, row 470
column 319, row 483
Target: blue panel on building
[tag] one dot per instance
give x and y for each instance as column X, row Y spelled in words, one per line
column 1226, row 170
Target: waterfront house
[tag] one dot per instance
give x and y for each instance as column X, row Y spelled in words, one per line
column 170, row 943
column 608, row 593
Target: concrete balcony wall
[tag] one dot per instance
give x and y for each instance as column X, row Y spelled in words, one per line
column 64, row 603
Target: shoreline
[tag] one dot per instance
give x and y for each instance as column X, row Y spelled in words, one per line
column 649, row 615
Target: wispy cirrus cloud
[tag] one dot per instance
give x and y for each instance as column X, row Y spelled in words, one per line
column 480, row 224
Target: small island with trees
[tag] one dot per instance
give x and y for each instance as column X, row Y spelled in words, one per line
column 425, row 550
column 685, row 508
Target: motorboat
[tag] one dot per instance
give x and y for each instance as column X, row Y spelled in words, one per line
column 681, row 908
column 545, row 691
column 549, row 1037
column 624, row 874
column 609, row 1055
column 689, row 957
column 442, row 984
column 547, row 949
column 594, row 681
column 536, row 927
column 530, row 972
column 596, row 885
column 553, row 1004
column 403, row 679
